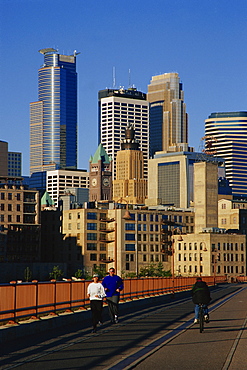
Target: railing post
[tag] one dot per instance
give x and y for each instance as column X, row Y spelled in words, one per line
column 14, row 285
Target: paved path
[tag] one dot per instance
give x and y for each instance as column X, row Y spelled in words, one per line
column 154, row 338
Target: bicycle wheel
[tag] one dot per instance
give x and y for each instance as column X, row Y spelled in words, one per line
column 201, row 319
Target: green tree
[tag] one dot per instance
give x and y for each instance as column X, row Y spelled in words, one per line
column 56, row 273
column 79, row 274
column 27, row 274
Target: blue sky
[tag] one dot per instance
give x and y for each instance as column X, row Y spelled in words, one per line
column 204, row 41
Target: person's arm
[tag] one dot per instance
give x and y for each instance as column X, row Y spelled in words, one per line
column 88, row 291
column 119, row 285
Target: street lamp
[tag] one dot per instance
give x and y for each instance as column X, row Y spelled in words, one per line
column 200, row 255
column 179, row 239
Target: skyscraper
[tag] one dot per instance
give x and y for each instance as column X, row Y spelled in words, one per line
column 130, row 184
column 117, row 108
column 53, row 118
column 168, row 126
column 226, row 137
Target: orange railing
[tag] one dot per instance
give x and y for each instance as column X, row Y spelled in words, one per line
column 22, row 300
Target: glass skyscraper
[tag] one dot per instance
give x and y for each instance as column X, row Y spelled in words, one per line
column 53, row 118
column 226, row 137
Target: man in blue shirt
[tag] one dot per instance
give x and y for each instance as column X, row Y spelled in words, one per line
column 113, row 285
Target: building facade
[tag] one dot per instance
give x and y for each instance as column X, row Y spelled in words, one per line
column 53, row 118
column 226, row 137
column 171, row 177
column 168, row 126
column 58, row 181
column 14, row 164
column 107, row 238
column 19, row 224
column 130, row 184
column 117, row 108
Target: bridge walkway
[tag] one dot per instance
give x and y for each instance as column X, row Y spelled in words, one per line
column 159, row 336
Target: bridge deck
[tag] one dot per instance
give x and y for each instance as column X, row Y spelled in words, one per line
column 159, row 337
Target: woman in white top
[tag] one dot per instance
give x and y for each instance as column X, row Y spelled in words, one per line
column 96, row 293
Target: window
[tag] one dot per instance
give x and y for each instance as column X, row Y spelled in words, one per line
column 91, row 236
column 102, row 257
column 9, row 218
column 70, row 216
column 18, row 207
column 78, row 226
column 93, row 257
column 127, row 266
column 69, row 226
column 129, row 236
column 2, row 207
column 223, row 206
column 129, row 227
column 9, row 196
column 91, row 226
column 92, row 216
column 18, row 218
column 2, row 196
column 130, row 247
column 91, row 246
column 9, row 207
column 144, row 258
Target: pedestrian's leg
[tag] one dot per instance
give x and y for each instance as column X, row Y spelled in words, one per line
column 110, row 308
column 99, row 305
column 93, row 305
column 196, row 312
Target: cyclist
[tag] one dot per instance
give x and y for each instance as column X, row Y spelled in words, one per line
column 200, row 294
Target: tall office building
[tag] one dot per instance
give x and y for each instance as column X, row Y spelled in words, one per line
column 130, row 184
column 117, row 108
column 53, row 118
column 226, row 137
column 168, row 126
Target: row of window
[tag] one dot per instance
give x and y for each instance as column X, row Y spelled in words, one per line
column 10, row 207
column 10, row 196
column 226, row 257
column 10, row 218
column 219, row 269
column 201, row 246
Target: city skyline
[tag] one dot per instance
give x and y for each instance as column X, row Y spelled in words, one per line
column 203, row 43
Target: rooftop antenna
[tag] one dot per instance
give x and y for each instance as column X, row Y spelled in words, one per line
column 113, row 78
column 129, row 78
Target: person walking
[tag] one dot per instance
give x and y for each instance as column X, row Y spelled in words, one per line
column 96, row 293
column 200, row 294
column 113, row 285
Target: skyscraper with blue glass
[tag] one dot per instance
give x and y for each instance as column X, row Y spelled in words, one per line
column 53, row 118
column 226, row 137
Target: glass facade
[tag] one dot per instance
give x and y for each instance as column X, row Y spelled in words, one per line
column 226, row 137
column 53, row 119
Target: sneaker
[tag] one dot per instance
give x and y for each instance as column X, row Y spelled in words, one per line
column 196, row 321
column 116, row 319
column 94, row 331
column 100, row 323
column 206, row 318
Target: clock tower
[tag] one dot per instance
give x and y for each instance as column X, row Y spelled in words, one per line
column 100, row 176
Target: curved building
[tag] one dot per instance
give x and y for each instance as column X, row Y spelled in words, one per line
column 53, row 118
column 226, row 137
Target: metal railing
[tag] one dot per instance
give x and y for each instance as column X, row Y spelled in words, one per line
column 36, row 299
